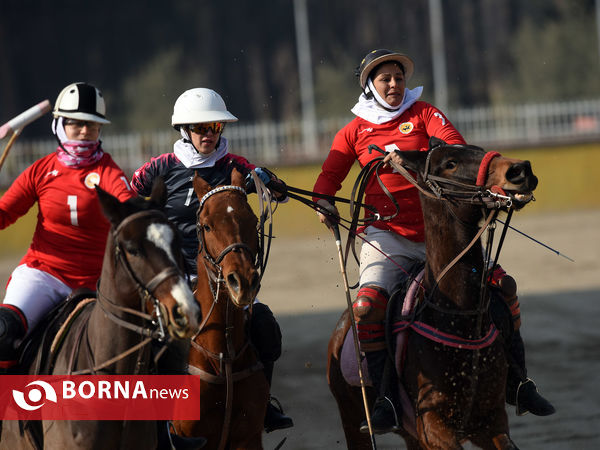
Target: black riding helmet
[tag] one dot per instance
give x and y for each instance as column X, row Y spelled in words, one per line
column 380, row 56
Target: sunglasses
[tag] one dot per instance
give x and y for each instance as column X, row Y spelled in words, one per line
column 202, row 128
column 82, row 123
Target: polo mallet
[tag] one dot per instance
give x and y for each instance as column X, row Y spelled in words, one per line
column 363, row 387
column 17, row 124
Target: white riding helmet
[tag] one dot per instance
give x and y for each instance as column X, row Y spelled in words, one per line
column 200, row 105
column 81, row 101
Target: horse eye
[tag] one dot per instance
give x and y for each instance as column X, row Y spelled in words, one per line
column 131, row 249
column 206, row 227
column 451, row 164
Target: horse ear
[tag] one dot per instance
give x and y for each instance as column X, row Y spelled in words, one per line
column 435, row 142
column 237, row 179
column 414, row 159
column 111, row 206
column 159, row 192
column 200, row 186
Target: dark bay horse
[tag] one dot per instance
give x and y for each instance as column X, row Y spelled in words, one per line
column 142, row 296
column 456, row 394
column 233, row 389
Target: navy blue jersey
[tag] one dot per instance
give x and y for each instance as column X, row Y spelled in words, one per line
column 182, row 202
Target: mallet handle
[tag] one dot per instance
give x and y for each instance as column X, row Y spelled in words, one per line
column 25, row 118
column 11, row 141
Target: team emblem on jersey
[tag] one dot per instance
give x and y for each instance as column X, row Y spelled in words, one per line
column 406, row 127
column 92, row 179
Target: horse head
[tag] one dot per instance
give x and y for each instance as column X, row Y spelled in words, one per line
column 147, row 246
column 228, row 239
column 468, row 173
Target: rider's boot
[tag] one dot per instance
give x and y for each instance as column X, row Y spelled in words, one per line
column 265, row 335
column 275, row 419
column 13, row 327
column 520, row 390
column 384, row 417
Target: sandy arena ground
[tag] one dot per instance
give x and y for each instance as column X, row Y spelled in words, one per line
column 560, row 304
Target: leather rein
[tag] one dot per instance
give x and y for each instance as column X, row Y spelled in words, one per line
column 156, row 324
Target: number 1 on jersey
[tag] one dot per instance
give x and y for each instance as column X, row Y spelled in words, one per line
column 72, row 202
column 189, row 197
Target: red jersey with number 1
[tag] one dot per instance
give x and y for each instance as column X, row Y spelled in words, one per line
column 70, row 237
column 409, row 131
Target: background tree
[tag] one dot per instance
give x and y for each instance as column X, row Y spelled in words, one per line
column 143, row 54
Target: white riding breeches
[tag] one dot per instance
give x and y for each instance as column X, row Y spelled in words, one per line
column 35, row 293
column 378, row 270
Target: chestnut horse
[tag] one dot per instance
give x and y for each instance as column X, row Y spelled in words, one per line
column 142, row 297
column 456, row 394
column 233, row 389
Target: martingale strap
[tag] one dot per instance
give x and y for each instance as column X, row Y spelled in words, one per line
column 450, row 340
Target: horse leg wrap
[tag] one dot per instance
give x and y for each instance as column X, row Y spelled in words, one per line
column 13, row 327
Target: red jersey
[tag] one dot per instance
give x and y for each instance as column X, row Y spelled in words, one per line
column 409, row 131
column 70, row 237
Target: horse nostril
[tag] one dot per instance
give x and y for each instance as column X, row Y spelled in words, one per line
column 179, row 317
column 233, row 281
column 520, row 174
column 516, row 173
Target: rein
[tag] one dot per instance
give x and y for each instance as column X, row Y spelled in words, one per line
column 493, row 198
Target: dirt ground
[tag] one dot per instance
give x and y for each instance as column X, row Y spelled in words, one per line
column 560, row 304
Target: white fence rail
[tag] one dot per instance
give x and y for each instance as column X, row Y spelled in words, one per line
column 280, row 143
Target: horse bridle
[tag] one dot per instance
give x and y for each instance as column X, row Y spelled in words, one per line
column 145, row 290
column 467, row 193
column 156, row 330
column 216, row 262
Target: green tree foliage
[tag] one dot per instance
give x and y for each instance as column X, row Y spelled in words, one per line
column 143, row 54
column 556, row 59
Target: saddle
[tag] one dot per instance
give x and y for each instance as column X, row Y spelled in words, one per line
column 37, row 351
column 401, row 306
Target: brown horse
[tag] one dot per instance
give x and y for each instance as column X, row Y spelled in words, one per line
column 233, row 389
column 456, row 394
column 142, row 297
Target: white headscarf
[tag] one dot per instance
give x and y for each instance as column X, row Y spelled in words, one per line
column 372, row 109
column 192, row 159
